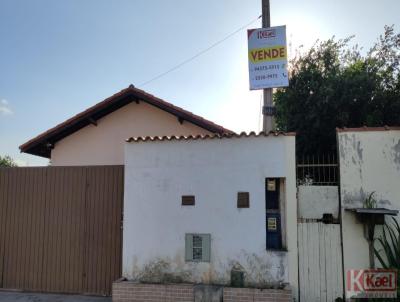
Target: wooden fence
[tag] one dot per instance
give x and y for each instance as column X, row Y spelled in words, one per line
column 60, row 228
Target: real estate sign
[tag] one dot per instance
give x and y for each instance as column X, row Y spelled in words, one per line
column 267, row 57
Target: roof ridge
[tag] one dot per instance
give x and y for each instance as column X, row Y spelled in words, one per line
column 179, row 108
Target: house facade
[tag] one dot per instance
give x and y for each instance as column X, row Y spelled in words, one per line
column 204, row 209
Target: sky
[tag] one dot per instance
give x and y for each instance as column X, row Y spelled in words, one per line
column 57, row 58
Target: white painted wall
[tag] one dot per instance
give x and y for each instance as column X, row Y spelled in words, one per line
column 104, row 144
column 214, row 170
column 369, row 161
column 314, row 201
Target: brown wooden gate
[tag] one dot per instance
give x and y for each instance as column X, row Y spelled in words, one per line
column 60, row 228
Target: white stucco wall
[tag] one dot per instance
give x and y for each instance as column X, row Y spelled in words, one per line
column 314, row 201
column 158, row 173
column 369, row 162
column 104, row 144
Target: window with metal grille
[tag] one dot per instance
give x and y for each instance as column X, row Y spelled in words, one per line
column 197, row 247
column 317, row 170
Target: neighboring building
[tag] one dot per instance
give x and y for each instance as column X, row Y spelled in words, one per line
column 96, row 136
column 198, row 207
column 369, row 161
column 331, row 238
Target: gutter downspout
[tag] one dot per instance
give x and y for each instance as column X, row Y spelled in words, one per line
column 340, row 215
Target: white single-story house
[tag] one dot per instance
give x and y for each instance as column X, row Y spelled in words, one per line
column 202, row 205
column 197, row 208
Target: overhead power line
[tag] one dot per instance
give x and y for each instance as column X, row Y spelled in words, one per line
column 198, row 54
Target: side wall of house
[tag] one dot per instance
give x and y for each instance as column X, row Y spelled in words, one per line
column 369, row 162
column 104, row 144
column 214, row 170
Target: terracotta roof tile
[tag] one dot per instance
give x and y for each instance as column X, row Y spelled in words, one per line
column 206, row 136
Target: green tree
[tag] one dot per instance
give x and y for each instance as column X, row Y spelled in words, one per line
column 7, row 161
column 334, row 85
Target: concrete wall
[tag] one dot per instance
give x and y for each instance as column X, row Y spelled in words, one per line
column 369, row 162
column 158, row 173
column 104, row 144
column 314, row 201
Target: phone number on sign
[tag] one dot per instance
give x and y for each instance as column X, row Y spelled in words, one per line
column 264, row 77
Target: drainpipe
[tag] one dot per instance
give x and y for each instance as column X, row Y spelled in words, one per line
column 340, row 215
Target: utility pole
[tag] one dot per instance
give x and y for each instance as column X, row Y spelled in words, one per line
column 268, row 109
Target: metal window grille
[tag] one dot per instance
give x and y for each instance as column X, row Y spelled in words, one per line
column 317, row 170
column 197, row 247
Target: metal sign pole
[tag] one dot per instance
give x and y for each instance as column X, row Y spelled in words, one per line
column 268, row 109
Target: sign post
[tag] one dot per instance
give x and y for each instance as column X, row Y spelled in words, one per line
column 260, row 78
column 268, row 110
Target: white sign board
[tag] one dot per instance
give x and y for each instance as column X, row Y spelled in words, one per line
column 267, row 57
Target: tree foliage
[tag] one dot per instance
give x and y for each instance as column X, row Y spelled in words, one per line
column 334, row 85
column 7, row 161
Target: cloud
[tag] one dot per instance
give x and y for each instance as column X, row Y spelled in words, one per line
column 5, row 108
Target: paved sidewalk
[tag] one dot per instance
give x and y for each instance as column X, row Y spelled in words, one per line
column 37, row 297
